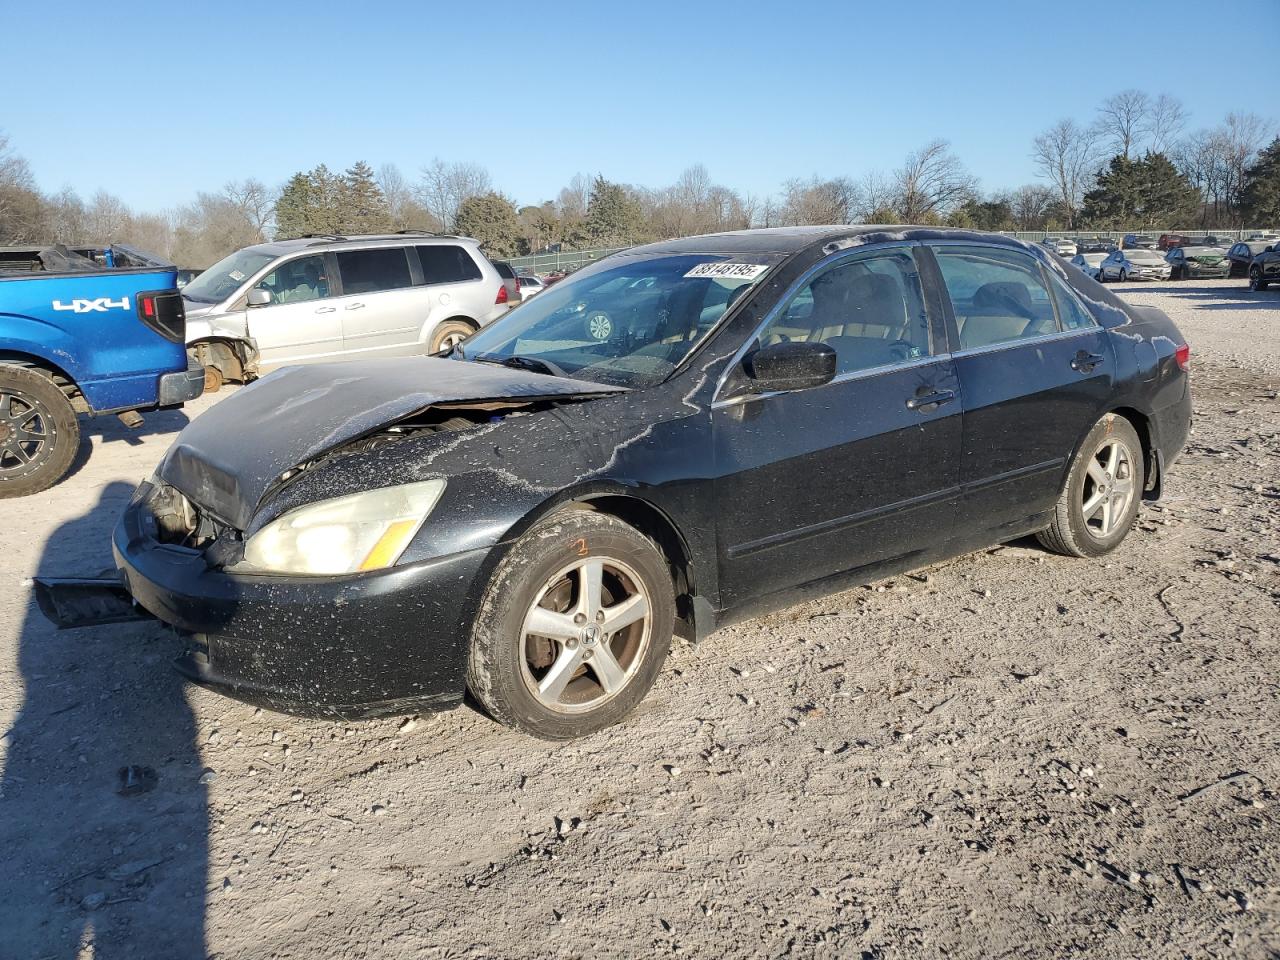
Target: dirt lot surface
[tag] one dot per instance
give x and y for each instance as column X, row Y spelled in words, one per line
column 1009, row 755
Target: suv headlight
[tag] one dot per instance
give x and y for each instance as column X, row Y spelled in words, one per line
column 364, row 531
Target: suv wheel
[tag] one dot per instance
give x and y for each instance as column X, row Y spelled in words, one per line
column 448, row 335
column 39, row 432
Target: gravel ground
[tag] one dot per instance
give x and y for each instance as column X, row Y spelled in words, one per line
column 1011, row 754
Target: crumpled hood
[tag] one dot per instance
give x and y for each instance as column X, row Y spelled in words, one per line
column 231, row 455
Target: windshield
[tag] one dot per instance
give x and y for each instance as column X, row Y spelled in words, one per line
column 1145, row 256
column 224, row 277
column 628, row 322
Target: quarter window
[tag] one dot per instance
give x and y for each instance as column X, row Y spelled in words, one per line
column 869, row 309
column 370, row 271
column 297, row 281
column 1071, row 312
column 997, row 295
column 446, row 263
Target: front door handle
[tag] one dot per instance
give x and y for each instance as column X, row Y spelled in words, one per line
column 931, row 400
column 1084, row 362
column 355, row 306
column 326, row 309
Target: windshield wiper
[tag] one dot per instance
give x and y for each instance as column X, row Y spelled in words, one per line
column 520, row 363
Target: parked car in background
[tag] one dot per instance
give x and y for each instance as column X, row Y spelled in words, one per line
column 1168, row 241
column 1102, row 245
column 1195, row 262
column 1088, row 263
column 1136, row 264
column 533, row 518
column 80, row 337
column 1138, row 241
column 509, row 281
column 1060, row 245
column 333, row 298
column 530, row 285
column 1265, row 269
column 1241, row 255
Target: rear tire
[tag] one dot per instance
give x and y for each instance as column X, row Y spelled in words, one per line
column 1255, row 280
column 212, row 379
column 39, row 432
column 449, row 334
column 600, row 655
column 1100, row 499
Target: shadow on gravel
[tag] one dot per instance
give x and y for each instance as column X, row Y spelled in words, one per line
column 103, row 822
column 111, row 431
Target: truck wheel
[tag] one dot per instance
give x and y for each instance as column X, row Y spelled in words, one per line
column 39, row 432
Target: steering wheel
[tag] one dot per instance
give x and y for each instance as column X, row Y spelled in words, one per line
column 598, row 325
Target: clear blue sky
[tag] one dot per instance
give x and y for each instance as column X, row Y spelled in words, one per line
column 154, row 101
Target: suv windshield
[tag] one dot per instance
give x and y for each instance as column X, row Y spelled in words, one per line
column 224, row 277
column 628, row 322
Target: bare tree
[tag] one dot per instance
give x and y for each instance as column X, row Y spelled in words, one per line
column 931, row 183
column 1030, row 204
column 1065, row 154
column 877, row 197
column 1241, row 137
column 68, row 217
column 818, row 201
column 573, row 199
column 106, row 218
column 256, row 203
column 22, row 209
column 1165, row 120
column 1122, row 118
column 444, row 186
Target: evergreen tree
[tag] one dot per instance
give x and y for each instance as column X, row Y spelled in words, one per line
column 364, row 208
column 1260, row 199
column 293, row 209
column 1145, row 193
column 614, row 217
column 491, row 219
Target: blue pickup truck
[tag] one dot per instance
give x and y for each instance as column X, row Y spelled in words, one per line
column 89, row 330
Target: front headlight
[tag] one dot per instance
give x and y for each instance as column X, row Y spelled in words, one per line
column 365, row 531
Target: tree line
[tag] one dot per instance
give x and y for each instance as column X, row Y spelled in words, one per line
column 1131, row 165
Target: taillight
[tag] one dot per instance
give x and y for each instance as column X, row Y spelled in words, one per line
column 502, row 295
column 163, row 312
column 1183, row 356
column 147, row 303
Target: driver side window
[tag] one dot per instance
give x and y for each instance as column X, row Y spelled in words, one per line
column 297, row 281
column 869, row 309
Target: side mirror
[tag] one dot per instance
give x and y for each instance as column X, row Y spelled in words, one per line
column 258, row 297
column 796, row 365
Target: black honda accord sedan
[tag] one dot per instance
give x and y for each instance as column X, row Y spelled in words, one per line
column 680, row 436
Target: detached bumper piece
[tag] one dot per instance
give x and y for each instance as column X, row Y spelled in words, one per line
column 86, row 602
column 177, row 388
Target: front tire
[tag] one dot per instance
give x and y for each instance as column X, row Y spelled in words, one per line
column 39, row 432
column 1123, row 276
column 448, row 335
column 573, row 628
column 1255, row 280
column 1102, row 494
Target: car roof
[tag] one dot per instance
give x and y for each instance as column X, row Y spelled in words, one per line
column 334, row 241
column 788, row 240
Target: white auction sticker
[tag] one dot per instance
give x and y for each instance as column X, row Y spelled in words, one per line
column 728, row 271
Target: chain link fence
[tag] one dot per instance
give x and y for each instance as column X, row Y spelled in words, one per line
column 542, row 263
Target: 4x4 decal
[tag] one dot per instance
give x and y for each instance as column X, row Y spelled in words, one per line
column 101, row 305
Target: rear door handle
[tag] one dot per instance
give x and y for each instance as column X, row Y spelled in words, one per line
column 1084, row 362
column 326, row 309
column 355, row 306
column 935, row 399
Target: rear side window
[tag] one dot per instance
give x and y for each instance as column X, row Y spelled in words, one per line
column 369, row 271
column 1071, row 312
column 446, row 263
column 504, row 270
column 997, row 295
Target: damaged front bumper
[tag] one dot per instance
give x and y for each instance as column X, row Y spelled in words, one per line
column 341, row 647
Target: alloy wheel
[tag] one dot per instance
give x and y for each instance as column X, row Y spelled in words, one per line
column 585, row 635
column 27, row 435
column 1108, row 487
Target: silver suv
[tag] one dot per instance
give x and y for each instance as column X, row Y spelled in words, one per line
column 334, row 298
